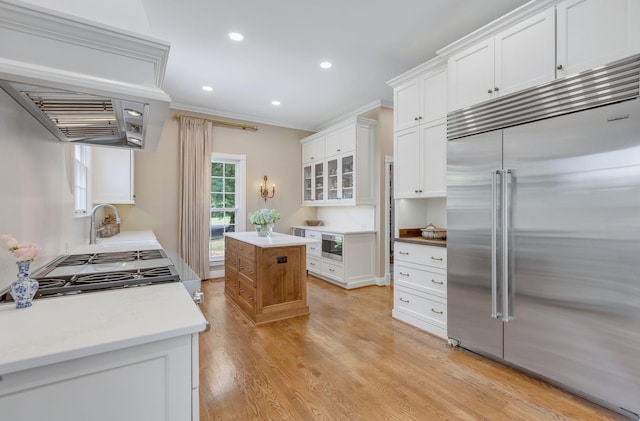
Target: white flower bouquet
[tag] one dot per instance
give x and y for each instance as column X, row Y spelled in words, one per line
column 264, row 216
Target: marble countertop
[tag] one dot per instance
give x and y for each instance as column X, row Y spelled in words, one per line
column 336, row 230
column 275, row 240
column 63, row 328
column 75, row 326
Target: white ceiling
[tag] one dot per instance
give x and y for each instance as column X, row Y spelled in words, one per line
column 368, row 41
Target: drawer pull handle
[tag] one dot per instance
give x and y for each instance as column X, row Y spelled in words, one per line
column 440, row 259
column 331, row 270
column 403, row 300
column 436, row 282
column 406, row 253
column 436, row 311
column 404, row 274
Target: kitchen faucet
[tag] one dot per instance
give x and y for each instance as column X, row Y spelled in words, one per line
column 92, row 229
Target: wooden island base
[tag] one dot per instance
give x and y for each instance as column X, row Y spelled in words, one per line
column 267, row 283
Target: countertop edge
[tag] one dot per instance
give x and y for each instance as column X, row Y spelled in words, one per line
column 335, row 230
column 422, row 241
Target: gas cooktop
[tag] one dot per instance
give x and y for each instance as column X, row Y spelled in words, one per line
column 91, row 272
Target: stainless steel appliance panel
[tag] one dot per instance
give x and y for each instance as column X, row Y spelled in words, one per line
column 471, row 170
column 574, row 235
column 332, row 247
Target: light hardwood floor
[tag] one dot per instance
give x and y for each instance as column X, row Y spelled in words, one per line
column 350, row 360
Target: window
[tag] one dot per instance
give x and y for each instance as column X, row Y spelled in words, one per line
column 80, row 179
column 227, row 200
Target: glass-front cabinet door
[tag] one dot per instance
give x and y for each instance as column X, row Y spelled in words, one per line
column 341, row 179
column 313, row 183
column 347, row 178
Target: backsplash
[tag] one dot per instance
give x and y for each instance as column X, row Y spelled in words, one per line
column 357, row 217
column 35, row 190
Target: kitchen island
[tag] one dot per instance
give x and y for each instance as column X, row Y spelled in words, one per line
column 266, row 276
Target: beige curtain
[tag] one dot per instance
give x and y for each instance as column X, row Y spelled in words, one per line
column 195, row 192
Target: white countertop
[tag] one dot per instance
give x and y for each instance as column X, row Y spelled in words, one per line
column 275, row 240
column 336, row 230
column 69, row 327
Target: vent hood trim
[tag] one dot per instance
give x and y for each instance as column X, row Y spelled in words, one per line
column 91, row 59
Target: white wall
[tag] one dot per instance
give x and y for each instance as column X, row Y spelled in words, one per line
column 36, row 200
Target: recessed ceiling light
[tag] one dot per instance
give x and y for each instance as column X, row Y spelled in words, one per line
column 236, row 36
column 207, row 88
column 276, row 103
column 326, row 65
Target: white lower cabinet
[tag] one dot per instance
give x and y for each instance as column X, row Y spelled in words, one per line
column 154, row 381
column 358, row 258
column 420, row 286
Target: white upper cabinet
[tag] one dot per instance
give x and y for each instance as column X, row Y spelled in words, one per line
column 421, row 161
column 313, row 149
column 340, row 141
column 345, row 174
column 524, row 54
column 112, row 176
column 420, row 100
column 596, row 32
column 516, row 58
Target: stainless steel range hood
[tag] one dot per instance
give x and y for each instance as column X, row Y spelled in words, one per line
column 84, row 81
column 100, row 113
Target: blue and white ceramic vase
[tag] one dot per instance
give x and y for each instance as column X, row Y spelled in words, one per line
column 24, row 288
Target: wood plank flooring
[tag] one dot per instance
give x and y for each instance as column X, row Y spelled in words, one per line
column 350, row 360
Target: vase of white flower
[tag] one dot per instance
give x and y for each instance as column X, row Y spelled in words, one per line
column 24, row 288
column 263, row 220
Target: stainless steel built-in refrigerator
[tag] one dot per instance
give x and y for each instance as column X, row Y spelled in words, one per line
column 543, row 215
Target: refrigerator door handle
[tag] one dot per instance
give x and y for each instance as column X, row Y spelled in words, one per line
column 494, row 246
column 506, row 176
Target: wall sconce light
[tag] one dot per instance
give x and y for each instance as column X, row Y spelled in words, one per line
column 264, row 190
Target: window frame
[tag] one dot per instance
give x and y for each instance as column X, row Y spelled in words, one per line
column 240, row 160
column 82, row 165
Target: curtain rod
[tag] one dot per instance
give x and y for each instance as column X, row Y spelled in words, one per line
column 222, row 123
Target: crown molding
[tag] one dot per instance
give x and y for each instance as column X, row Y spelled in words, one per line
column 436, row 63
column 37, row 30
column 521, row 13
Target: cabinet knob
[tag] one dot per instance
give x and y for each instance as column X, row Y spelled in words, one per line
column 559, row 67
column 490, row 91
column 415, row 118
column 495, row 89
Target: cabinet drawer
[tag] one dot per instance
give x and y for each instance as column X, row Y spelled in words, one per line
column 247, row 270
column 333, row 271
column 231, row 283
column 314, row 249
column 427, row 307
column 314, row 264
column 421, row 254
column 247, row 251
column 313, row 234
column 230, row 262
column 247, row 297
column 422, row 278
